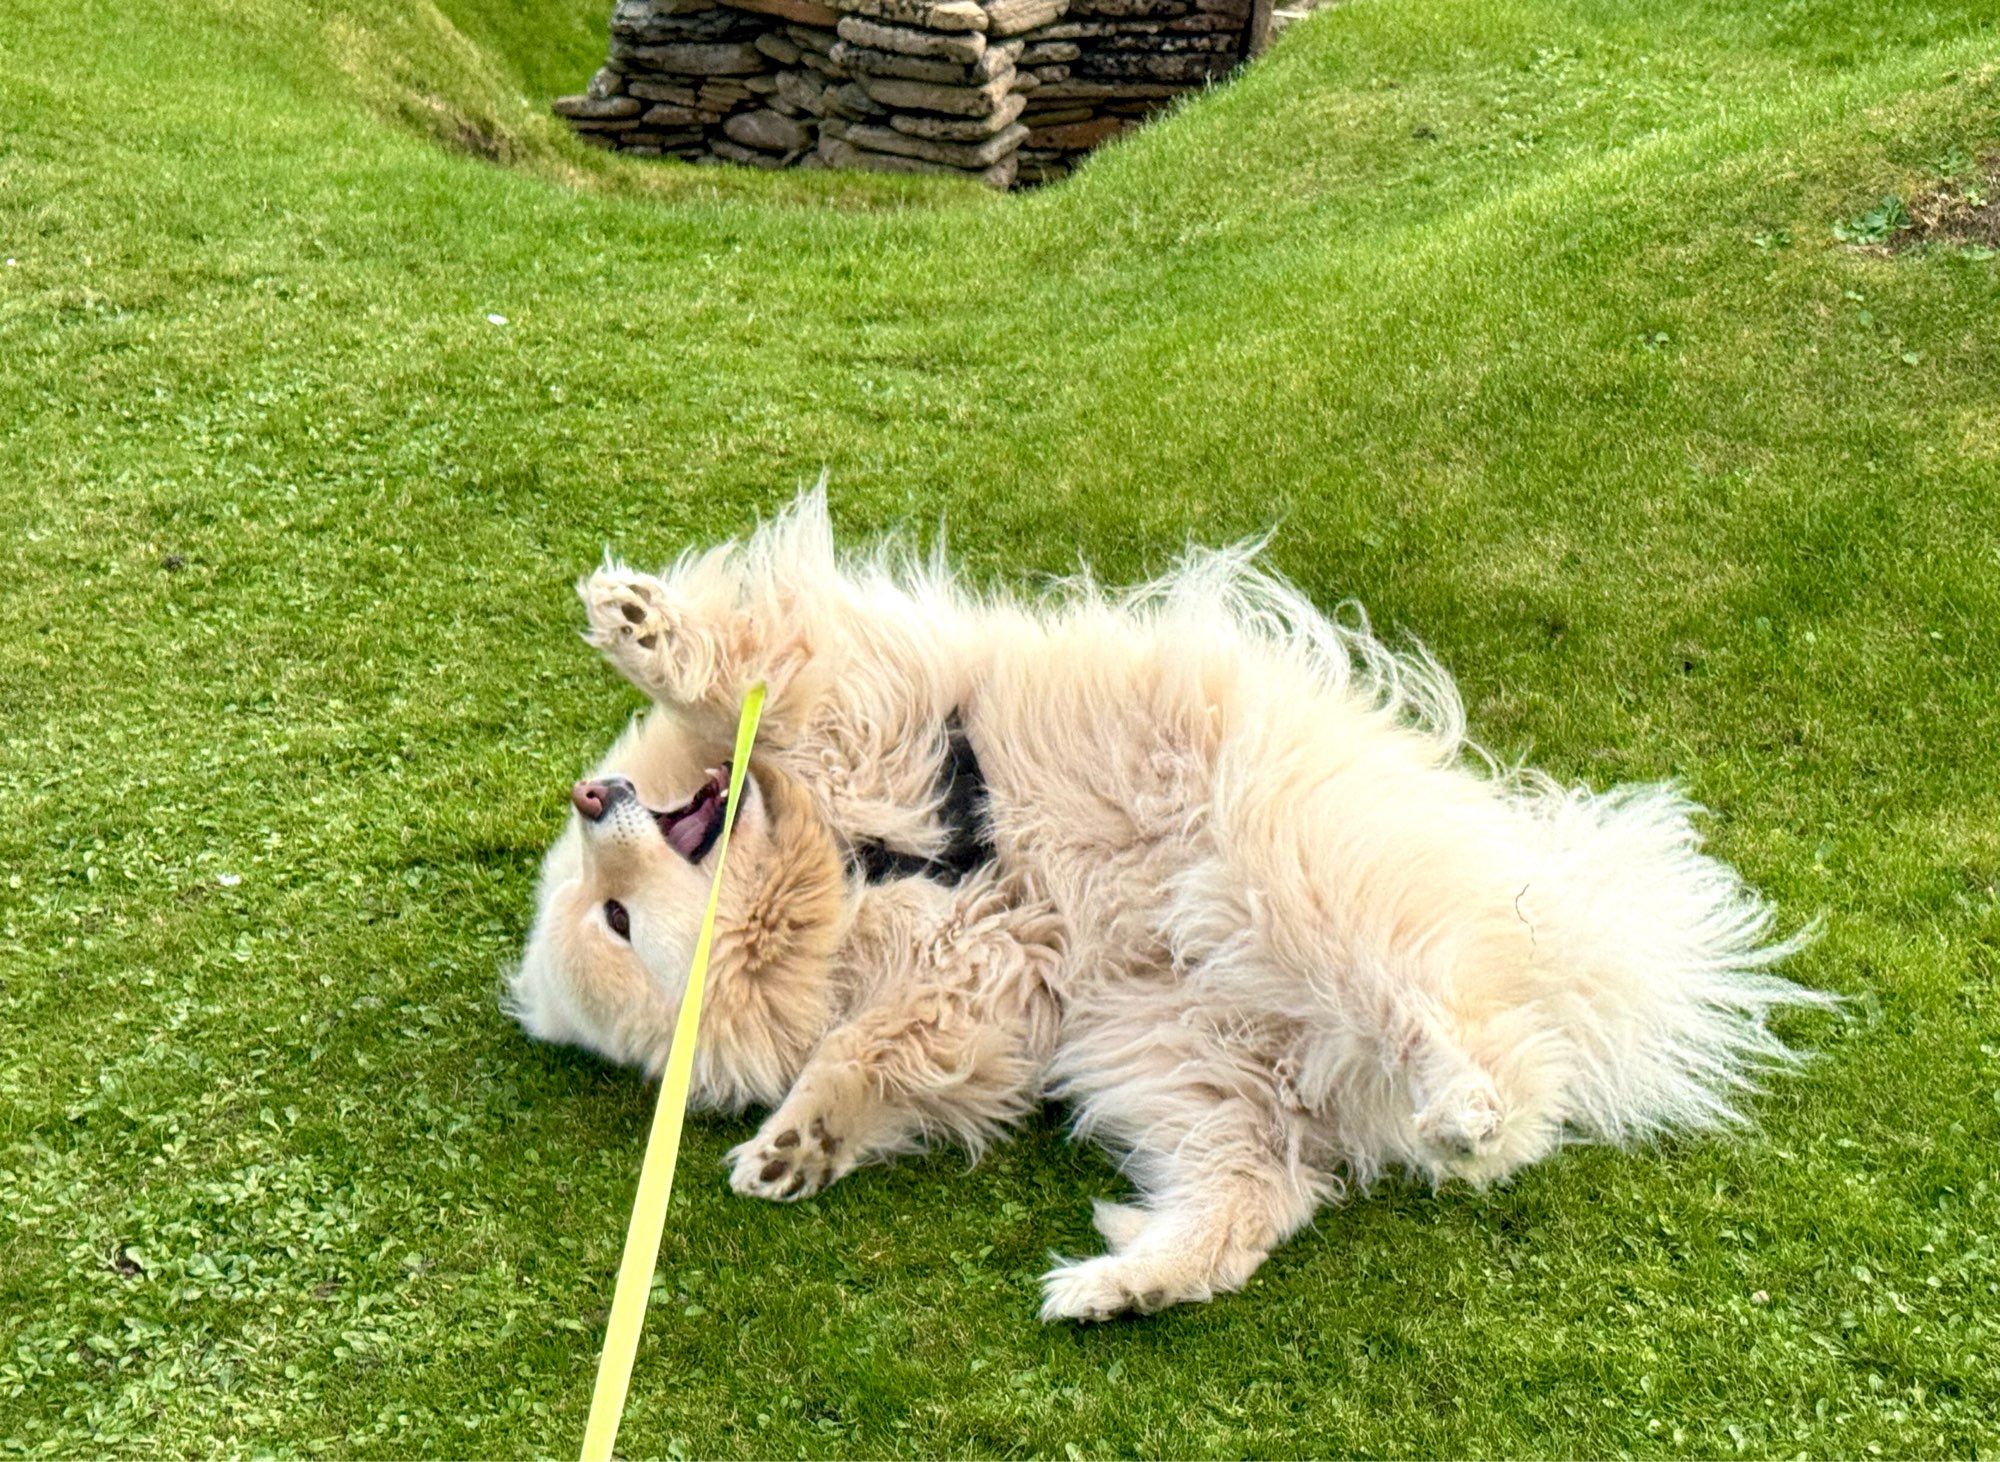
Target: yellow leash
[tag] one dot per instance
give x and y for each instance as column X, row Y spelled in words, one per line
column 656, row 1175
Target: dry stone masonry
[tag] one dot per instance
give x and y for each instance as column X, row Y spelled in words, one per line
column 1006, row 91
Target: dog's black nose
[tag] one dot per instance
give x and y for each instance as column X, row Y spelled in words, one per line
column 595, row 798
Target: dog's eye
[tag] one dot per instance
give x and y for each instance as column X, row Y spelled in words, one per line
column 618, row 919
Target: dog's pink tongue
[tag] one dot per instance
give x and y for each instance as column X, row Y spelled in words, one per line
column 686, row 833
column 690, row 831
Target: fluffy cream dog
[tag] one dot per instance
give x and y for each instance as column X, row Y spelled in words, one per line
column 1258, row 911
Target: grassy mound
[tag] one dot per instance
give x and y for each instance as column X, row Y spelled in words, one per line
column 327, row 361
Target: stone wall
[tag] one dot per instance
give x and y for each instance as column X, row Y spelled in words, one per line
column 1006, row 91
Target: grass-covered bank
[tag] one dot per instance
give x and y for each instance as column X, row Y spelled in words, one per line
column 1526, row 323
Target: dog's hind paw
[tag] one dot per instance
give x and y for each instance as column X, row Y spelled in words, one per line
column 1464, row 1119
column 1095, row 1290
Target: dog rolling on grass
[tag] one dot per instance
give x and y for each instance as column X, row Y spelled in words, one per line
column 1244, row 897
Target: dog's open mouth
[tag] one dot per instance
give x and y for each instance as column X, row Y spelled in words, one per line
column 692, row 828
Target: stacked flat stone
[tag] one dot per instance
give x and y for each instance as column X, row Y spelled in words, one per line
column 699, row 80
column 1004, row 91
column 1109, row 64
column 942, row 85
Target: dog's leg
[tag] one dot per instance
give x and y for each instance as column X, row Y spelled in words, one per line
column 691, row 647
column 674, row 650
column 1455, row 1102
column 922, row 1064
column 1202, row 1107
column 831, row 1122
column 1120, row 1223
column 1201, row 1234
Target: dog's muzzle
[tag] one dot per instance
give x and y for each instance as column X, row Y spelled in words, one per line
column 690, row 829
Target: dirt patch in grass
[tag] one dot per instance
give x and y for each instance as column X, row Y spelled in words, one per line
column 1961, row 212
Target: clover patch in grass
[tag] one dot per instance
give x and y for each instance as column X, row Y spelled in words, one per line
column 1879, row 225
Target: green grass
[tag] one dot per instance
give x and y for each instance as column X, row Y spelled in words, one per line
column 1524, row 321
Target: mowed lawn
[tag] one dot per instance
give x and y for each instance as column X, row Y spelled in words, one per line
column 1557, row 331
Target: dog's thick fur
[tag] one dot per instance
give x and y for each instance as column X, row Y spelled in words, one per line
column 1259, row 912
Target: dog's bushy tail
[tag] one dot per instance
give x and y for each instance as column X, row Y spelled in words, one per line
column 1665, row 959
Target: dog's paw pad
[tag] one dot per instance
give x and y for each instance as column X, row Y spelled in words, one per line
column 625, row 609
column 782, row 1167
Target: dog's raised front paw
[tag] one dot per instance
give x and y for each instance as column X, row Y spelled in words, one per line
column 630, row 621
column 784, row 1163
